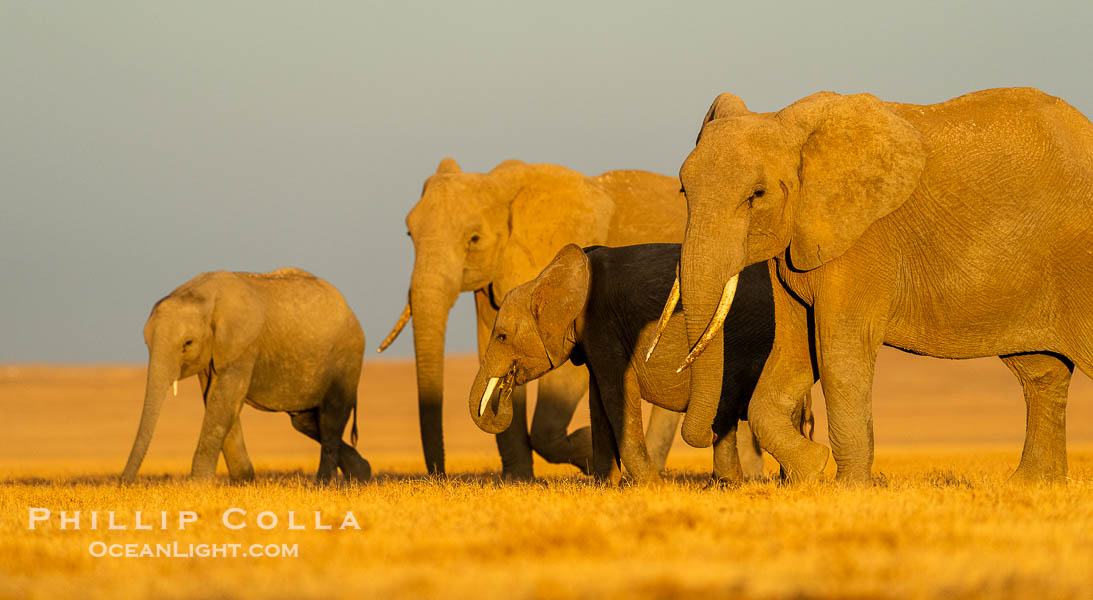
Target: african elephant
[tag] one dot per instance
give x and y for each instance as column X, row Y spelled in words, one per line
column 281, row 341
column 488, row 233
column 596, row 307
column 956, row 230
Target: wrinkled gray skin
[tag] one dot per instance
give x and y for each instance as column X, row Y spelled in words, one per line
column 486, row 233
column 956, row 230
column 281, row 341
column 600, row 307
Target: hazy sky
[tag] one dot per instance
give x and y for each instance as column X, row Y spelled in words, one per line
column 141, row 144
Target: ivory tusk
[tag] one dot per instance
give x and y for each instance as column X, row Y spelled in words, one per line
column 715, row 323
column 403, row 319
column 486, row 397
column 176, row 387
column 665, row 316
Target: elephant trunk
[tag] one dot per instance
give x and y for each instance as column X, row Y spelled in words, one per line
column 707, row 268
column 492, row 416
column 431, row 299
column 163, row 371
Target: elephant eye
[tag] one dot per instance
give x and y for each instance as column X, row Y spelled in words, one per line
column 754, row 195
column 502, row 337
column 475, row 238
column 187, row 344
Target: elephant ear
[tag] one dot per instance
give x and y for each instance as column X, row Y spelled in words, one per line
column 551, row 206
column 859, row 162
column 724, row 106
column 237, row 319
column 448, row 166
column 558, row 297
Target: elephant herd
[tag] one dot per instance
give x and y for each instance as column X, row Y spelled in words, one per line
column 792, row 246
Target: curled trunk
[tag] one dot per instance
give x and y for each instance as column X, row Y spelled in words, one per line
column 491, row 400
column 163, row 371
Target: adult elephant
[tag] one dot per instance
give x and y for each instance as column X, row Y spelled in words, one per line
column 956, row 230
column 490, row 232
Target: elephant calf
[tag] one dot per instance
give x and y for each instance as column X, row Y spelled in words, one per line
column 281, row 341
column 598, row 307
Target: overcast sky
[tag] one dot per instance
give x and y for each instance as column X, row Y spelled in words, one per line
column 141, row 143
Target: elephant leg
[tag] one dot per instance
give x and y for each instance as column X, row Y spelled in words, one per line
column 660, row 433
column 848, row 341
column 749, row 453
column 787, row 375
column 621, row 400
column 224, row 399
column 235, row 454
column 351, row 463
column 605, row 450
column 234, row 450
column 726, row 459
column 514, row 444
column 1045, row 379
column 333, row 415
column 559, row 393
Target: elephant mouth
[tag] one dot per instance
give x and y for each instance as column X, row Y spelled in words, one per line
column 502, row 387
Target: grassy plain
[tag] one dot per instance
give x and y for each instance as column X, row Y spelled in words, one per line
column 940, row 523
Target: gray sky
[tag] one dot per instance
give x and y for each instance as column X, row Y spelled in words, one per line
column 142, row 143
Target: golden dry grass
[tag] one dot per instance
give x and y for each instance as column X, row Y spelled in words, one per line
column 941, row 523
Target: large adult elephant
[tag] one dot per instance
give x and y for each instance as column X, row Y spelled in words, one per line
column 490, row 232
column 956, row 230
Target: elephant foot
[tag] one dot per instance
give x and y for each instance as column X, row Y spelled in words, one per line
column 518, row 475
column 244, row 477
column 806, row 464
column 730, row 476
column 727, row 470
column 574, row 449
column 355, row 468
column 241, row 474
column 648, row 477
column 855, row 478
column 722, row 483
column 608, row 477
column 1029, row 473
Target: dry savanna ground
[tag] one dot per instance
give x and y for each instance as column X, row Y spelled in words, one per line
column 941, row 522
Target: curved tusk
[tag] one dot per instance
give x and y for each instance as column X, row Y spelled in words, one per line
column 176, row 387
column 665, row 316
column 486, row 397
column 403, row 319
column 715, row 323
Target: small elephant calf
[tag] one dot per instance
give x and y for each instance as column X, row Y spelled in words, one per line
column 280, row 341
column 600, row 307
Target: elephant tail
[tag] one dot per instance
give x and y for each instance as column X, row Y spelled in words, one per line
column 353, row 432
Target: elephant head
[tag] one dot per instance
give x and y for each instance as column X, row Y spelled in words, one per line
column 485, row 232
column 535, row 332
column 202, row 326
column 804, row 184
